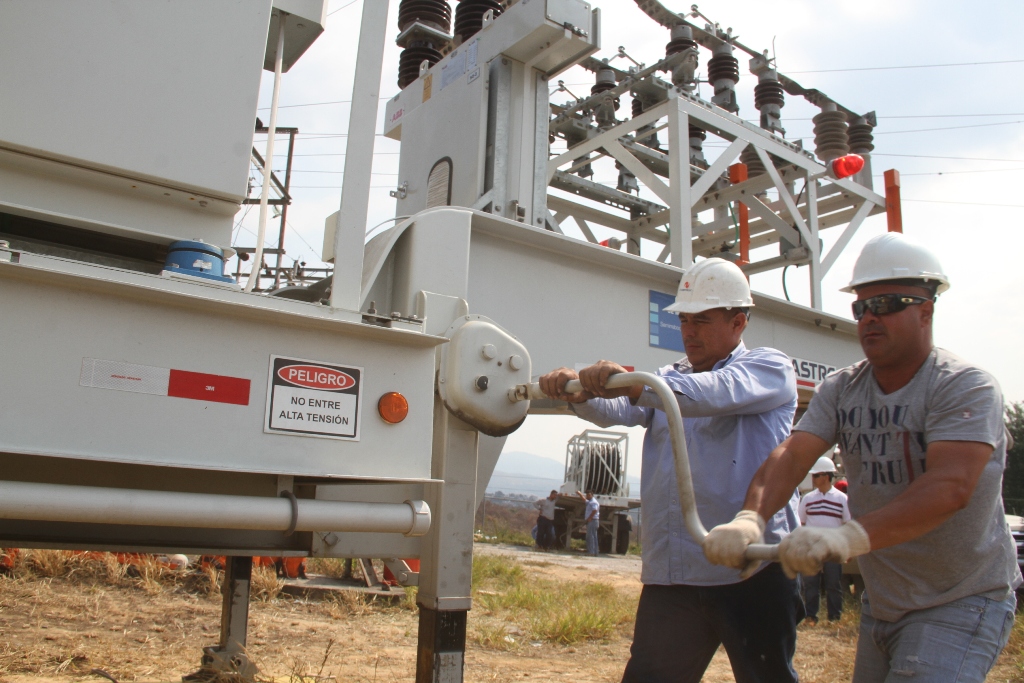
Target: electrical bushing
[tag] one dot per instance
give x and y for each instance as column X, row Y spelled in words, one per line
column 198, row 259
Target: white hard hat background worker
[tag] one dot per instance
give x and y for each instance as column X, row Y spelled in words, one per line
column 737, row 404
column 921, row 436
column 824, row 506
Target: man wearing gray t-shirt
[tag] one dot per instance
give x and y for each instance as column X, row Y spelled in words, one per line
column 922, row 439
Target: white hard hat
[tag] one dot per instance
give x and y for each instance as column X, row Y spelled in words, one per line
column 824, row 464
column 894, row 257
column 712, row 283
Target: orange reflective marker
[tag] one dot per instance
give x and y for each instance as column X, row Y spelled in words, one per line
column 393, row 407
column 846, row 166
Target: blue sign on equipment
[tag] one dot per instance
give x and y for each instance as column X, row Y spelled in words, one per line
column 664, row 327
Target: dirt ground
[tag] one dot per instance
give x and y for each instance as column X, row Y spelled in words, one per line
column 56, row 630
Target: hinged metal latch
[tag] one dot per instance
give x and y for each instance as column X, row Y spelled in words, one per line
column 402, row 192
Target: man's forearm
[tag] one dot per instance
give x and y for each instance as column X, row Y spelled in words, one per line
column 924, row 506
column 773, row 484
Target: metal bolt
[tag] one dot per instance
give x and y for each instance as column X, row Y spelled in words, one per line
column 488, row 351
column 515, row 362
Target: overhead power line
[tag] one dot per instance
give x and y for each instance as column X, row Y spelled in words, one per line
column 928, row 130
column 943, row 116
column 337, row 154
column 347, row 4
column 913, row 116
column 296, row 170
column 1007, row 206
column 337, row 187
column 987, row 170
column 317, row 104
column 929, row 156
column 911, row 66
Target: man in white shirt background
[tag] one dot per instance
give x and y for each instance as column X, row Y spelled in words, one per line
column 824, row 507
column 546, row 521
column 593, row 519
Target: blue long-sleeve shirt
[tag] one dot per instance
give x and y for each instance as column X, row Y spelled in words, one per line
column 734, row 415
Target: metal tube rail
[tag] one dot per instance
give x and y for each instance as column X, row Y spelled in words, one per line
column 102, row 505
column 684, row 479
column 268, row 164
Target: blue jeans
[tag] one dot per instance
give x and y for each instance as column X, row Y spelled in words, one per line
column 832, row 575
column 545, row 532
column 592, row 537
column 953, row 643
column 679, row 628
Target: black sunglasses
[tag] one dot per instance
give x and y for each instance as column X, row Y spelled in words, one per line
column 883, row 304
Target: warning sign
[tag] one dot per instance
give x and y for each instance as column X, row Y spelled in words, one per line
column 310, row 398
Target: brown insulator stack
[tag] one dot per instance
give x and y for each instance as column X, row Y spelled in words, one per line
column 435, row 14
column 724, row 74
column 861, row 138
column 769, row 99
column 469, row 17
column 831, row 139
column 754, row 166
column 684, row 73
column 680, row 42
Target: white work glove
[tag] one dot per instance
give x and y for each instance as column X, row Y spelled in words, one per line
column 726, row 544
column 807, row 548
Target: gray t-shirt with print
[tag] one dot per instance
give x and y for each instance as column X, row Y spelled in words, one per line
column 882, row 440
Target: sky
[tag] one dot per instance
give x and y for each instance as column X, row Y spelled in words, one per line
column 961, row 156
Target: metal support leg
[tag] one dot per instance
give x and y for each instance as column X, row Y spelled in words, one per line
column 229, row 657
column 446, row 570
column 442, row 646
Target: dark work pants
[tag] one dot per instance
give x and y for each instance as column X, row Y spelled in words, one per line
column 832, row 575
column 545, row 532
column 678, row 629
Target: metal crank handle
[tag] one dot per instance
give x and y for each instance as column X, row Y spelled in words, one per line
column 684, row 480
column 763, row 551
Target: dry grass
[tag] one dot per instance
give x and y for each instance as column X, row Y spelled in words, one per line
column 63, row 615
column 517, row 609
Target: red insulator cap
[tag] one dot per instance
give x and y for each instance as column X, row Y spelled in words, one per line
column 846, row 166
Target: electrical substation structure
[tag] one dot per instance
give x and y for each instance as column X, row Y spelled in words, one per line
column 152, row 403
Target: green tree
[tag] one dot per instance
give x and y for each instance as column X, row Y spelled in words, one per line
column 1013, row 477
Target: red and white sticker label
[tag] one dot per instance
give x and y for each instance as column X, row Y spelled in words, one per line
column 147, row 379
column 810, row 373
column 310, row 398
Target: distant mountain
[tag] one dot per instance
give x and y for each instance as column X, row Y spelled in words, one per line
column 518, row 462
column 519, row 472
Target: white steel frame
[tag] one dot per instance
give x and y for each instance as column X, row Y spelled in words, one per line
column 826, row 202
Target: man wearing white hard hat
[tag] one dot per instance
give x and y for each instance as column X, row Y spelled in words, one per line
column 825, row 507
column 921, row 435
column 737, row 405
